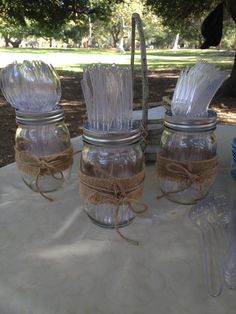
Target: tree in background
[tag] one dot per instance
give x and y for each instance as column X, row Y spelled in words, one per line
column 74, row 32
column 228, row 40
column 49, row 17
column 119, row 22
column 101, row 20
column 155, row 33
column 160, row 29
column 54, row 12
column 116, row 30
column 13, row 32
column 178, row 13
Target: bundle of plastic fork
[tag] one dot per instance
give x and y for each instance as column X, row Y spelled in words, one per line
column 213, row 217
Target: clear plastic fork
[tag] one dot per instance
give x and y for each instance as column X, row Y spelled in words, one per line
column 230, row 269
column 211, row 215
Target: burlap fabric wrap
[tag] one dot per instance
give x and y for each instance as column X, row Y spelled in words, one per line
column 115, row 191
column 187, row 172
column 111, row 190
column 33, row 165
column 38, row 166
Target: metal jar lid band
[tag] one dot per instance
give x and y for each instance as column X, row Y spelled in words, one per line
column 111, row 138
column 37, row 118
column 191, row 125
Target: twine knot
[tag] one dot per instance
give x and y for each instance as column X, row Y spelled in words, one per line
column 115, row 191
column 44, row 166
column 39, row 166
column 186, row 172
column 178, row 168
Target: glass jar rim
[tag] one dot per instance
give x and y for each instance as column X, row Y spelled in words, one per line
column 37, row 118
column 191, row 125
column 102, row 138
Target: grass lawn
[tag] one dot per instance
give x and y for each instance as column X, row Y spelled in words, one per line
column 75, row 59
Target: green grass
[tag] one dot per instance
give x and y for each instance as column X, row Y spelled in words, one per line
column 59, row 50
column 183, row 58
column 76, row 59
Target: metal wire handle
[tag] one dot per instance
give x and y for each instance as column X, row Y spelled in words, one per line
column 136, row 20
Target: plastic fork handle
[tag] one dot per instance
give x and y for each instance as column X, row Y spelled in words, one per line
column 212, row 266
column 230, row 270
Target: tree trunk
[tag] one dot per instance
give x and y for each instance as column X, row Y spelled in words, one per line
column 176, row 41
column 115, row 39
column 234, row 44
column 228, row 88
column 7, row 40
column 128, row 43
column 199, row 41
column 120, row 45
column 16, row 43
column 231, row 8
column 90, row 33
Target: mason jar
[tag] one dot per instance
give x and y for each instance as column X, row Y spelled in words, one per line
column 111, row 176
column 43, row 150
column 187, row 162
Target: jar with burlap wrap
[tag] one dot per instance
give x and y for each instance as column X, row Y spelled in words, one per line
column 43, row 150
column 111, row 176
column 187, row 162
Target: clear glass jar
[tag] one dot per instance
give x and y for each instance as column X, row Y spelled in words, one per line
column 43, row 150
column 110, row 157
column 187, row 162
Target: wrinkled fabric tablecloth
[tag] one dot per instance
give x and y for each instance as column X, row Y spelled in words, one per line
column 54, row 260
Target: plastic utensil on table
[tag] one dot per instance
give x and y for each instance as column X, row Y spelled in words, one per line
column 211, row 267
column 230, row 269
column 211, row 215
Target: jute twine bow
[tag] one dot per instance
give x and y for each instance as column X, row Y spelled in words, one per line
column 115, row 191
column 39, row 166
column 187, row 172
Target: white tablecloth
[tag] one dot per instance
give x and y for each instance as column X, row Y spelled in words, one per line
column 53, row 260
